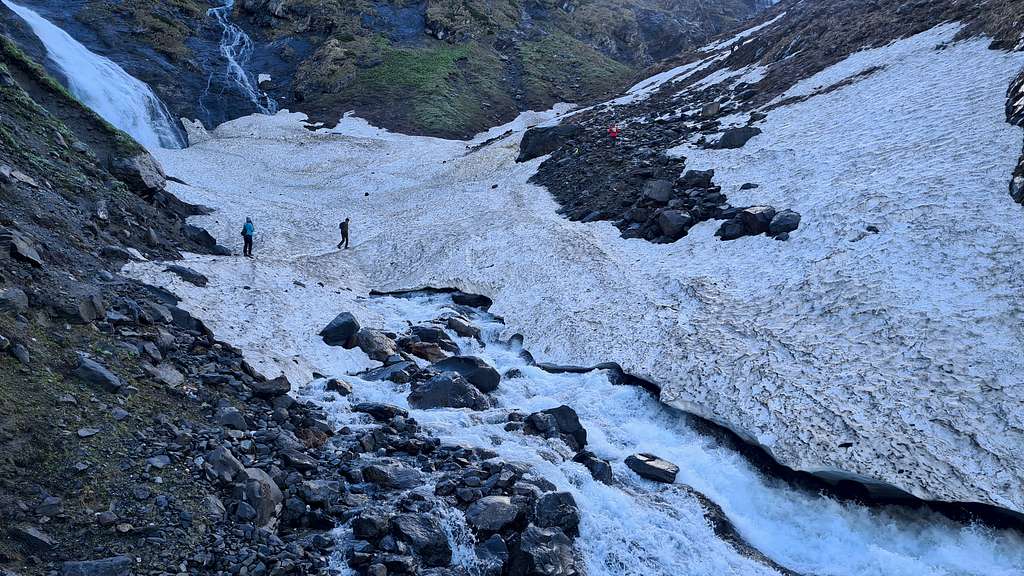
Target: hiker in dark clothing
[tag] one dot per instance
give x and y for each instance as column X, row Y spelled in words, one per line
column 344, row 234
column 247, row 233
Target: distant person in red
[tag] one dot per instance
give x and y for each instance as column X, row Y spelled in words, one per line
column 613, row 132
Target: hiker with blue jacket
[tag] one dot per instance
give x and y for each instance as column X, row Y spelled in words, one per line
column 247, row 233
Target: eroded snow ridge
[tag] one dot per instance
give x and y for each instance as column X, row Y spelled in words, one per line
column 888, row 355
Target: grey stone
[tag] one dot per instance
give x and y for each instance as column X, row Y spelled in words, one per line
column 492, row 513
column 94, row 373
column 736, row 137
column 230, row 417
column 339, row 386
column 262, row 493
column 341, row 331
column 223, row 464
column 543, row 552
column 115, row 566
column 425, row 536
column 784, row 222
column 557, row 509
column 448, row 390
column 473, row 369
column 13, row 300
column 653, row 468
column 377, row 345
column 188, row 275
column 659, row 191
column 378, row 411
column 271, row 388
column 674, row 223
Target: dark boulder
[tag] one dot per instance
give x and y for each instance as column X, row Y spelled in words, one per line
column 400, row 373
column 474, row 370
column 557, row 509
column 736, row 137
column 653, row 468
column 94, row 373
column 599, row 469
column 435, row 335
column 492, row 555
column 392, row 475
column 783, row 222
column 425, row 535
column 472, row 300
column 376, row 344
column 342, row 387
column 756, row 219
column 20, row 247
column 271, row 388
column 448, row 390
column 380, row 412
column 341, row 331
column 13, row 300
column 492, row 513
column 659, row 191
column 188, row 275
column 369, row 526
column 542, row 552
column 731, row 229
column 674, row 223
column 696, row 179
column 561, row 422
column 544, row 140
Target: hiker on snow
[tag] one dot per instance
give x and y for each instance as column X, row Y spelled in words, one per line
column 614, row 131
column 344, row 234
column 247, row 232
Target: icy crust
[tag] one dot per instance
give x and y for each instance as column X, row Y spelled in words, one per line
column 903, row 345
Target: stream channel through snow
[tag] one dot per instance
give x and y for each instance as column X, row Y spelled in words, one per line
column 639, row 527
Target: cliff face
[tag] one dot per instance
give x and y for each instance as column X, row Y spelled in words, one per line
column 439, row 67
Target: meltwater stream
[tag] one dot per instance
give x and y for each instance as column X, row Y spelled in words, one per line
column 237, row 48
column 641, row 528
column 100, row 84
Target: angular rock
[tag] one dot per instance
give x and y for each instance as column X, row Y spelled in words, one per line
column 262, row 493
column 542, row 552
column 659, row 191
column 223, row 465
column 188, row 275
column 472, row 300
column 13, row 300
column 231, row 417
column 115, row 566
column 736, row 137
column 140, row 171
column 271, row 388
column 783, row 222
column 298, row 460
column 339, row 386
column 341, row 331
column 492, row 513
column 448, row 390
column 674, row 223
column 425, row 536
column 653, row 468
column 462, row 327
column 473, row 369
column 492, row 555
column 392, row 475
column 599, row 469
column 696, row 179
column 376, row 344
column 381, row 412
column 401, row 373
column 435, row 335
column 96, row 374
column 20, row 247
column 558, row 422
column 369, row 526
column 32, row 537
column 540, row 141
column 428, row 351
column 557, row 509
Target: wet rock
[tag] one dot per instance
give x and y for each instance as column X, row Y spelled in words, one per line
column 448, row 390
column 542, row 552
column 557, row 509
column 561, row 422
column 472, row 300
column 375, row 344
column 381, row 412
column 271, row 388
column 756, row 219
column 474, row 370
column 653, row 468
column 96, row 374
column 425, row 536
column 369, row 526
column 341, row 331
column 435, row 335
column 231, row 417
column 540, row 141
column 140, row 171
column 784, row 222
column 462, row 327
column 492, row 555
column 599, row 469
column 115, row 566
column 426, row 350
column 319, row 492
column 400, row 372
column 188, row 275
column 736, row 137
column 298, row 460
column 492, row 513
column 338, row 386
column 392, row 475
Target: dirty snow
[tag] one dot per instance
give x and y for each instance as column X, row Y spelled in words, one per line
column 904, row 343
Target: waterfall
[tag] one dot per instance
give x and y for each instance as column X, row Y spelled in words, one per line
column 237, row 47
column 100, row 84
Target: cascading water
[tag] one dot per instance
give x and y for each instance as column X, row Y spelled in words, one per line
column 100, row 84
column 237, row 48
column 637, row 527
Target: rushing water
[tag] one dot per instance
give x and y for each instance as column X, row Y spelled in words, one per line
column 102, row 85
column 642, row 528
column 237, row 48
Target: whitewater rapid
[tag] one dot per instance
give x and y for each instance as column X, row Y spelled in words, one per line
column 100, row 84
column 641, row 528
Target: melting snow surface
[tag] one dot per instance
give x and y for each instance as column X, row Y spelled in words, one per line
column 904, row 343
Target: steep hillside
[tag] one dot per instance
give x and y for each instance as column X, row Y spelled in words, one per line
column 442, row 67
